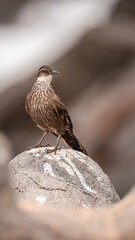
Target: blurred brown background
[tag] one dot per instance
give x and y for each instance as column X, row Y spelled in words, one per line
column 92, row 45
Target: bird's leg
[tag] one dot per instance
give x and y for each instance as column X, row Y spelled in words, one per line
column 39, row 143
column 56, row 146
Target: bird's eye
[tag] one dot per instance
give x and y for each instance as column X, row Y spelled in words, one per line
column 46, row 71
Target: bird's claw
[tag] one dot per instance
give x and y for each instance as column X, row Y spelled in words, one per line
column 53, row 150
column 47, row 145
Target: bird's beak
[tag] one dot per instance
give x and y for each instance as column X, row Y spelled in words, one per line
column 55, row 72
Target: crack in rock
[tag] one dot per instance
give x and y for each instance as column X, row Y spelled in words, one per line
column 46, row 188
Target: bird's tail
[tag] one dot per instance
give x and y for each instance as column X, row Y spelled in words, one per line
column 73, row 142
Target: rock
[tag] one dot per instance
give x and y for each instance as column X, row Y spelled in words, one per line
column 67, row 179
column 27, row 220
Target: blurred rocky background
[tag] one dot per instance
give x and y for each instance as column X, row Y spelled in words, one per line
column 92, row 45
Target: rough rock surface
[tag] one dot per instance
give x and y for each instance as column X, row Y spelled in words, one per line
column 26, row 220
column 67, row 179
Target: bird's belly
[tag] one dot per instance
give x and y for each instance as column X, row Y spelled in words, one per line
column 45, row 117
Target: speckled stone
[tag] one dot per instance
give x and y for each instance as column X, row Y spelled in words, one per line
column 67, row 179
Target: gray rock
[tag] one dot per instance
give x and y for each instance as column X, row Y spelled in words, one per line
column 67, row 179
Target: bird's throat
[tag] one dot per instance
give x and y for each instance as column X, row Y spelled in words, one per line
column 47, row 79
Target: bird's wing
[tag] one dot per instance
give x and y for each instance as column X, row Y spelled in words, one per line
column 62, row 111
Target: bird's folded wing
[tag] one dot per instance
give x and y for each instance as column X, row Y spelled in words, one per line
column 62, row 111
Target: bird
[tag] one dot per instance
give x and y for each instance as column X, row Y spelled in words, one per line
column 49, row 113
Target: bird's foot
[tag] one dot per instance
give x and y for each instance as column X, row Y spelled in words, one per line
column 39, row 146
column 53, row 150
column 47, row 145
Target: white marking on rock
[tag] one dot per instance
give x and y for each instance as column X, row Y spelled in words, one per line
column 67, row 168
column 49, row 156
column 35, row 150
column 85, row 206
column 80, row 176
column 56, row 193
column 90, row 167
column 48, row 170
column 41, row 200
column 81, row 160
column 57, row 157
column 80, row 157
column 99, row 179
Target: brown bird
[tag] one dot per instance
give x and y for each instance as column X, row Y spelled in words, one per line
column 48, row 112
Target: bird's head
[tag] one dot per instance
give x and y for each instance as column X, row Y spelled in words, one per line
column 45, row 73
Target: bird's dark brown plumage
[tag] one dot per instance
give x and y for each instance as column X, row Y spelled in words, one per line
column 48, row 112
